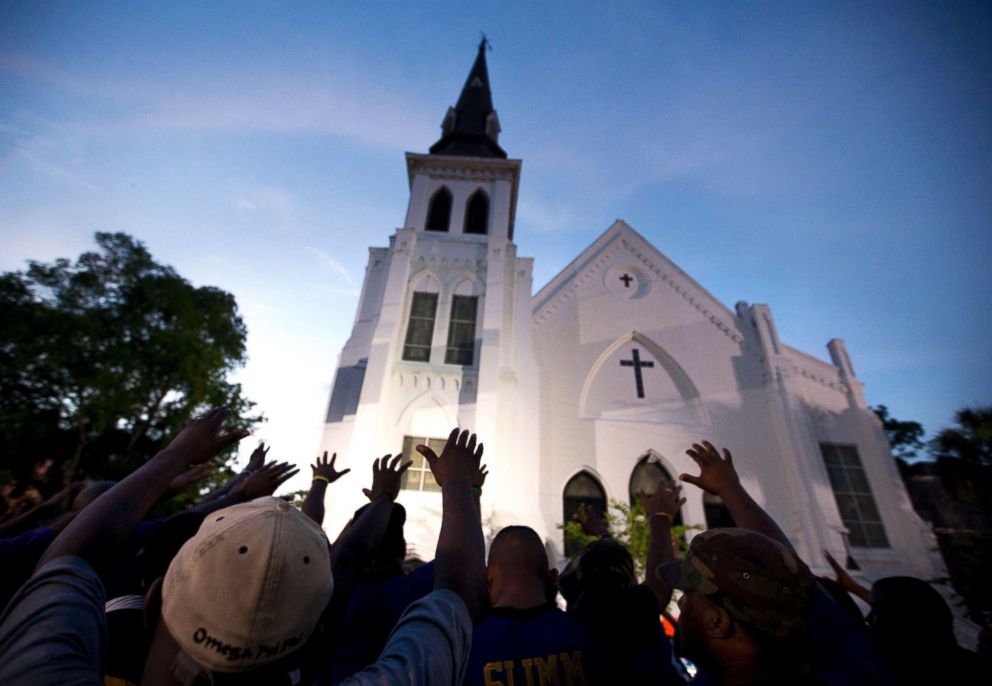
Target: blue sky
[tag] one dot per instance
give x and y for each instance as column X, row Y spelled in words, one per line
column 833, row 160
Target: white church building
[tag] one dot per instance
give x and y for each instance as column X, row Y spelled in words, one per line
column 595, row 385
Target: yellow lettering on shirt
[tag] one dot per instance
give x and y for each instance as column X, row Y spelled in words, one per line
column 527, row 664
column 572, row 666
column 487, row 673
column 547, row 670
column 508, row 666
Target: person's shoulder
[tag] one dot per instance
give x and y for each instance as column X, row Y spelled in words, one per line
column 43, row 536
column 441, row 602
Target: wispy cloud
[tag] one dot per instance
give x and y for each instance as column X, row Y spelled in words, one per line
column 268, row 198
column 543, row 218
column 328, row 261
column 313, row 103
column 45, row 147
column 338, row 290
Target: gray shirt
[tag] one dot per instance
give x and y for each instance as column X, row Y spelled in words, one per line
column 429, row 645
column 54, row 629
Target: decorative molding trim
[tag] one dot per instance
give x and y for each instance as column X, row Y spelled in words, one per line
column 822, row 380
column 463, row 168
column 432, row 380
column 583, row 277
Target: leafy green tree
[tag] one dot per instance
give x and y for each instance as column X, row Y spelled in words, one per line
column 970, row 440
column 628, row 525
column 905, row 438
column 104, row 359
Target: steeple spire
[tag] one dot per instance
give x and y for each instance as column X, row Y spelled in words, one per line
column 471, row 127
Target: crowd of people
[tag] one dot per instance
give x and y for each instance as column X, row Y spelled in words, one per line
column 244, row 588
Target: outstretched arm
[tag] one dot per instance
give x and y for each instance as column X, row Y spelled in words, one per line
column 718, row 477
column 459, row 564
column 48, row 509
column 255, row 462
column 661, row 508
column 354, row 547
column 261, row 482
column 100, row 529
column 323, row 474
column 846, row 581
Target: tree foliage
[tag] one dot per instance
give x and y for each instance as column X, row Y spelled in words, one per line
column 970, row 440
column 628, row 526
column 905, row 437
column 104, row 359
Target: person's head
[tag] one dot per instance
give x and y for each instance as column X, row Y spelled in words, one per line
column 593, row 578
column 900, row 607
column 745, row 598
column 242, row 595
column 90, row 492
column 517, row 573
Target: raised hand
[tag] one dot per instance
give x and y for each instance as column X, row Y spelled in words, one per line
column 386, row 477
column 480, row 476
column 666, row 500
column 590, row 520
column 201, row 438
column 265, row 481
column 324, row 470
column 187, row 480
column 716, row 474
column 257, row 459
column 459, row 459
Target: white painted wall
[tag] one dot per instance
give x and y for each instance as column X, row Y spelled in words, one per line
column 549, row 397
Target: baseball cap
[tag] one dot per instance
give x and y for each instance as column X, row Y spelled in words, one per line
column 249, row 587
column 758, row 581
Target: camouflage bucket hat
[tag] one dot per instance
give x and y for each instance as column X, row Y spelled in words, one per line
column 758, row 581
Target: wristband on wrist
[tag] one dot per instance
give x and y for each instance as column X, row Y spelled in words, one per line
column 318, row 477
column 665, row 515
column 477, row 490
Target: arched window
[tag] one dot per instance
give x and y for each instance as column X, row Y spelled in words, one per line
column 477, row 213
column 647, row 474
column 439, row 213
column 582, row 489
column 717, row 514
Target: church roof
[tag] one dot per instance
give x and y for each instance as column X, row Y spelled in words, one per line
column 471, row 127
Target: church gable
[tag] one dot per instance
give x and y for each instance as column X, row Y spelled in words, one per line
column 622, row 287
column 628, row 267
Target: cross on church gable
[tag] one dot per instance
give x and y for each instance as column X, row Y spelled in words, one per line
column 626, row 278
column 637, row 364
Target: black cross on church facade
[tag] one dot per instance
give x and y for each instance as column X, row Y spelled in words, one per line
column 626, row 278
column 637, row 364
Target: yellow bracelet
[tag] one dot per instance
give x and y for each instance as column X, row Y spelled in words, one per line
column 665, row 515
column 322, row 478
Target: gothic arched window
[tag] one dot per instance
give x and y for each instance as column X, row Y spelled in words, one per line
column 439, row 212
column 477, row 213
column 582, row 489
column 647, row 474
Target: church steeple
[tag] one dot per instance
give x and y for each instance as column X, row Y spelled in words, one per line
column 471, row 127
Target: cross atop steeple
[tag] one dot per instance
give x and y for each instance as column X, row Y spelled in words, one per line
column 471, row 127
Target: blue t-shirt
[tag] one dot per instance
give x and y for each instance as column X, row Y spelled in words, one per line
column 538, row 645
column 842, row 652
column 372, row 613
column 18, row 557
